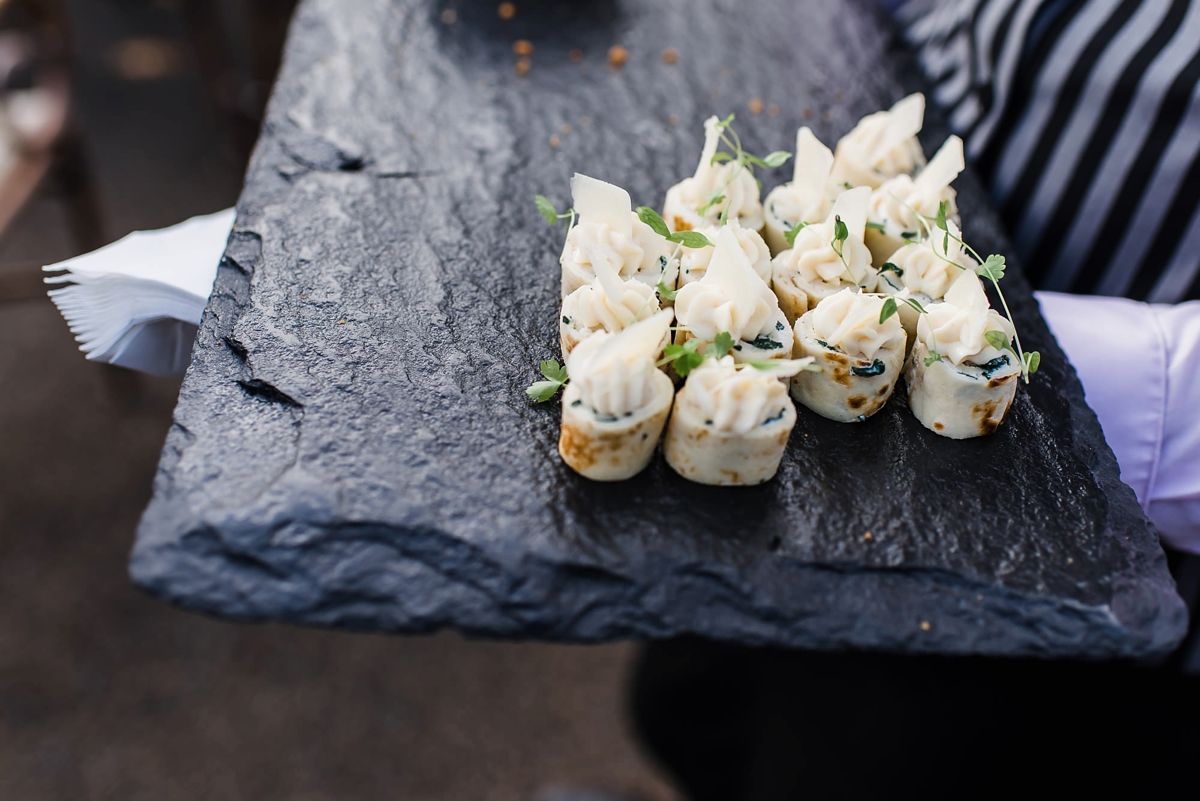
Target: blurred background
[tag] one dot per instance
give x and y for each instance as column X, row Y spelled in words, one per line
column 120, row 115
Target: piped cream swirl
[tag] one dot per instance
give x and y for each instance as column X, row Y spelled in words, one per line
column 849, row 321
column 735, row 400
column 731, row 181
column 693, row 264
column 730, row 298
column 956, row 328
column 614, row 373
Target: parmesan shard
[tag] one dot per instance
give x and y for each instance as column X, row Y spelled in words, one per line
column 730, row 269
column 712, row 139
column 600, row 202
column 907, row 117
column 813, row 162
column 851, row 206
column 943, row 168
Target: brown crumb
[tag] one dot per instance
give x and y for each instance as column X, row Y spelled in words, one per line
column 506, row 10
column 449, row 16
column 565, row 129
column 772, row 110
column 925, row 625
column 554, row 142
column 617, row 56
column 806, row 113
column 523, row 47
column 867, row 536
column 756, row 105
column 523, row 65
column 672, row 120
column 341, row 322
column 670, row 55
column 575, row 55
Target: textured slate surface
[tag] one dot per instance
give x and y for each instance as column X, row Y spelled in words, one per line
column 353, row 447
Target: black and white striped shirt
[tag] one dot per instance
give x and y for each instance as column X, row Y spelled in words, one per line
column 1083, row 118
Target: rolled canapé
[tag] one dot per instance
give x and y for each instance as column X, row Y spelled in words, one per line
column 732, row 298
column 967, row 388
column 813, row 269
column 923, row 271
column 730, row 425
column 882, row 145
column 892, row 214
column 733, row 181
column 693, row 264
column 805, row 199
column 860, row 358
column 608, row 232
column 617, row 401
column 607, row 304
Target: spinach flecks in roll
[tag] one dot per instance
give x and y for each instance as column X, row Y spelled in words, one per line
column 730, row 424
column 860, row 357
column 617, row 402
column 609, row 233
column 882, row 145
column 961, row 382
column 693, row 262
column 898, row 206
column 719, row 191
column 733, row 298
column 820, row 263
column 806, row 199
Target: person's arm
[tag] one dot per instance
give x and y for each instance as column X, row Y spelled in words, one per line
column 1148, row 406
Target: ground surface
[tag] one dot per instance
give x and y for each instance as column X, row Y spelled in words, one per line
column 107, row 693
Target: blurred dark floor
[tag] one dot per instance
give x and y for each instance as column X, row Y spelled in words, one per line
column 107, row 693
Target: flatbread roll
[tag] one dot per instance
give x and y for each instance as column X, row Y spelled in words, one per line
column 617, row 401
column 860, row 358
column 729, row 180
column 882, row 145
column 806, row 198
column 732, row 298
column 968, row 390
column 812, row 270
column 609, row 233
column 729, row 426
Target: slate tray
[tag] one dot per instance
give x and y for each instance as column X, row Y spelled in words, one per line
column 353, row 446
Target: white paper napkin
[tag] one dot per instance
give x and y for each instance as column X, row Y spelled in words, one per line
column 137, row 303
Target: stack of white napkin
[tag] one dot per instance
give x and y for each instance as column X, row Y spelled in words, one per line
column 137, row 302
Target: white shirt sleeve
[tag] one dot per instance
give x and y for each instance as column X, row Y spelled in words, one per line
column 1149, row 406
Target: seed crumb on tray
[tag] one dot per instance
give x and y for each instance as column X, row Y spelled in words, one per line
column 506, row 11
column 617, row 56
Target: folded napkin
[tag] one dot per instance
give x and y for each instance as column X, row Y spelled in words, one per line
column 137, row 303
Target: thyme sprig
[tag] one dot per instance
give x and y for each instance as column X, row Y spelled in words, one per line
column 556, row 379
column 744, row 161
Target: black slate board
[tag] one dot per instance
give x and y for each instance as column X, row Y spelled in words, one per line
column 353, row 446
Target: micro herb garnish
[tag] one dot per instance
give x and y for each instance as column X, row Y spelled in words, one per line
column 840, row 235
column 665, row 292
column 773, row 363
column 687, row 357
column 913, row 302
column 991, row 268
column 933, row 356
column 877, row 226
column 743, row 160
column 547, row 210
column 556, row 379
column 790, row 234
column 1029, row 361
column 889, row 308
column 689, row 239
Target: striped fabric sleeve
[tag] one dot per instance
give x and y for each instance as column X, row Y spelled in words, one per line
column 1083, row 117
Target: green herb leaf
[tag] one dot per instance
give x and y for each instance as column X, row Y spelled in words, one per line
column 992, row 269
column 913, row 302
column 554, row 371
column 776, row 158
column 840, row 232
column 542, row 391
column 790, row 234
column 1032, row 360
column 652, row 218
column 547, row 209
column 712, row 201
column 720, row 156
column 726, row 122
column 691, row 239
column 889, row 308
column 876, row 226
column 665, row 292
column 998, row 340
column 721, row 345
column 941, row 216
column 933, row 356
column 684, row 358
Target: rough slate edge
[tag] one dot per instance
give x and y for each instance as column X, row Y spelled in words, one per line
column 196, row 575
